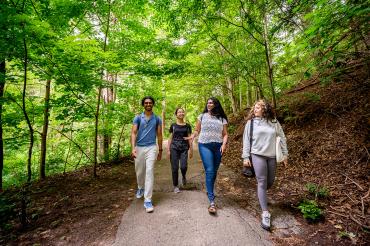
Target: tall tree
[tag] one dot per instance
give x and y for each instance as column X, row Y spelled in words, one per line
column 30, row 127
column 45, row 129
column 2, row 86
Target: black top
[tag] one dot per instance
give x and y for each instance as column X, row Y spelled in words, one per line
column 178, row 134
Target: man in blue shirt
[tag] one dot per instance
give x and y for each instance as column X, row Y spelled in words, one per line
column 146, row 128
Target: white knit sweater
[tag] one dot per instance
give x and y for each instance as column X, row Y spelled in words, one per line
column 264, row 138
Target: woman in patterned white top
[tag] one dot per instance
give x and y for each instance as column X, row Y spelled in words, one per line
column 212, row 130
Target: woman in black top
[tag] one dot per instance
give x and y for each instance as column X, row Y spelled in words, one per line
column 178, row 148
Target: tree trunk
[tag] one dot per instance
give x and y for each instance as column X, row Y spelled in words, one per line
column 44, row 133
column 66, row 161
column 163, row 107
column 268, row 60
column 240, row 95
column 106, row 91
column 96, row 132
column 107, row 96
column 230, row 83
column 2, row 87
column 119, row 141
column 29, row 159
column 249, row 94
column 99, row 95
column 230, row 92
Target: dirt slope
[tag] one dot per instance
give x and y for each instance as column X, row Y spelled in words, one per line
column 327, row 127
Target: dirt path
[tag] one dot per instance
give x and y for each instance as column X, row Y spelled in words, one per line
column 77, row 209
column 183, row 219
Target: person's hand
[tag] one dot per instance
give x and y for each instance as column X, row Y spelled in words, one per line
column 223, row 148
column 159, row 157
column 247, row 163
column 190, row 154
column 191, row 137
column 168, row 153
column 133, row 153
column 285, row 161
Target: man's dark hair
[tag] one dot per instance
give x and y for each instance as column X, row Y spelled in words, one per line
column 147, row 97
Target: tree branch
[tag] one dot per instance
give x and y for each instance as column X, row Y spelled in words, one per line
column 64, row 78
column 78, row 146
column 231, row 54
column 245, row 12
column 243, row 27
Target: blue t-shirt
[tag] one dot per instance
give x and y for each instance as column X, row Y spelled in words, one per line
column 147, row 132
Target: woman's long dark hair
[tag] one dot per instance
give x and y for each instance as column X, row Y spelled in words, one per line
column 217, row 111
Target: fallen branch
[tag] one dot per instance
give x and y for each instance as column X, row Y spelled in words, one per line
column 304, row 87
column 368, row 154
column 343, row 215
column 350, row 198
column 362, row 202
column 359, row 223
column 359, row 186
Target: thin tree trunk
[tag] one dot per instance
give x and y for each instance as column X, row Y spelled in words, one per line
column 29, row 160
column 107, row 96
column 240, row 95
column 44, row 133
column 269, row 60
column 163, row 106
column 249, row 94
column 230, row 92
column 230, row 83
column 99, row 96
column 119, row 141
column 69, row 149
column 96, row 132
column 2, row 87
column 79, row 161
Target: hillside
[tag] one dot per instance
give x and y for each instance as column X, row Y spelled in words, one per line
column 327, row 129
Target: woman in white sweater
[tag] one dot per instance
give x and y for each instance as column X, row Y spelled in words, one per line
column 261, row 151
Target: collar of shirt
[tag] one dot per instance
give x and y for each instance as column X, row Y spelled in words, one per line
column 143, row 116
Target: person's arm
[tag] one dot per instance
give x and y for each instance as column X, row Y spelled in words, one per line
column 190, row 144
column 225, row 136
column 169, row 144
column 246, row 145
column 195, row 133
column 160, row 142
column 284, row 146
column 134, row 130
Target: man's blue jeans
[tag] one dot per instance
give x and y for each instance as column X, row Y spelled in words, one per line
column 211, row 158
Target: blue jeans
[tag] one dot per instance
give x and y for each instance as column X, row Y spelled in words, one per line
column 211, row 158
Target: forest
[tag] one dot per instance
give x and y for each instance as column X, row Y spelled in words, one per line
column 72, row 74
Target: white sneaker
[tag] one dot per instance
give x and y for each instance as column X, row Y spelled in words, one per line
column 266, row 220
column 176, row 190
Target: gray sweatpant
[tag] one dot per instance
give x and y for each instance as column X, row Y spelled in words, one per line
column 265, row 168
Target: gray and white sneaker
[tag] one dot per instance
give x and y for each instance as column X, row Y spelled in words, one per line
column 139, row 193
column 266, row 220
column 148, row 206
column 176, row 190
